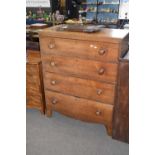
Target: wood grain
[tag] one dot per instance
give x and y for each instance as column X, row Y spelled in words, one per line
column 32, row 89
column 81, row 72
column 88, row 89
column 121, row 112
column 94, row 70
column 79, row 108
column 105, row 35
column 82, row 49
column 34, row 83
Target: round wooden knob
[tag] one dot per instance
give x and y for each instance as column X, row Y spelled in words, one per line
column 54, row 101
column 102, row 51
column 52, row 63
column 101, row 71
column 53, row 82
column 98, row 112
column 99, row 91
column 51, row 45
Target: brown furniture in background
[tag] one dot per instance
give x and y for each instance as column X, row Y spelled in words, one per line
column 81, row 73
column 121, row 111
column 32, row 37
column 34, row 82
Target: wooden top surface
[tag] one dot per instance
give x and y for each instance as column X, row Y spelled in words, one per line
column 106, row 35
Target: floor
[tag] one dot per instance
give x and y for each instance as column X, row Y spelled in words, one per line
column 60, row 135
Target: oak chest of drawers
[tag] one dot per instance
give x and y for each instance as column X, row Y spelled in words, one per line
column 34, row 82
column 80, row 72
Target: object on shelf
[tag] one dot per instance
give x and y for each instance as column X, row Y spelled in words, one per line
column 100, row 10
column 72, row 21
column 59, row 18
column 126, row 26
column 38, row 25
column 79, row 28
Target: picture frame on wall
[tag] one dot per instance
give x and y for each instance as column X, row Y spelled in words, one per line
column 38, row 3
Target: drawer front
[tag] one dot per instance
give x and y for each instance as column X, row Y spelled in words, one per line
column 88, row 89
column 82, row 49
column 82, row 109
column 81, row 68
column 33, row 101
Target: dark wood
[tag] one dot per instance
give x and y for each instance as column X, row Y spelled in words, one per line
column 121, row 110
column 80, row 73
column 35, row 97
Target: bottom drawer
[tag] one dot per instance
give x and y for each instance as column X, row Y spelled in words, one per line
column 79, row 108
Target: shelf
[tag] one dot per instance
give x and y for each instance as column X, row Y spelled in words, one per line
column 109, row 23
column 80, row 11
column 108, row 4
column 103, row 9
column 89, row 3
column 107, row 12
column 91, row 11
column 87, row 11
column 100, row 4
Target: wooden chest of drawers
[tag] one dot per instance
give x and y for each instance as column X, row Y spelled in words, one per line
column 34, row 82
column 80, row 73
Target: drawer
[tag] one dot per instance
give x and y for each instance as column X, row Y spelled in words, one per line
column 94, row 70
column 82, row 109
column 89, row 89
column 82, row 49
column 33, row 100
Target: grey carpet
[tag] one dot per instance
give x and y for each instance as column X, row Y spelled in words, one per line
column 60, row 135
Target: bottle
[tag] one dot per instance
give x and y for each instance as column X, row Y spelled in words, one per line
column 53, row 18
column 50, row 16
column 80, row 19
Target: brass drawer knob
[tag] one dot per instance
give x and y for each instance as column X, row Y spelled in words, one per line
column 98, row 112
column 51, row 46
column 99, row 91
column 102, row 51
column 54, row 101
column 52, row 63
column 53, row 82
column 101, row 71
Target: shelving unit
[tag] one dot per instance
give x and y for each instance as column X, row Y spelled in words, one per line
column 108, row 11
column 88, row 9
column 102, row 11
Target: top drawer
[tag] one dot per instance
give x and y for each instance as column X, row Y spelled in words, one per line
column 82, row 49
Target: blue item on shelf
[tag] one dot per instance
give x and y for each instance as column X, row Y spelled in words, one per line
column 33, row 21
column 101, row 10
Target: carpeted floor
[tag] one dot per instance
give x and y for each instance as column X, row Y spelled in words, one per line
column 60, row 135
